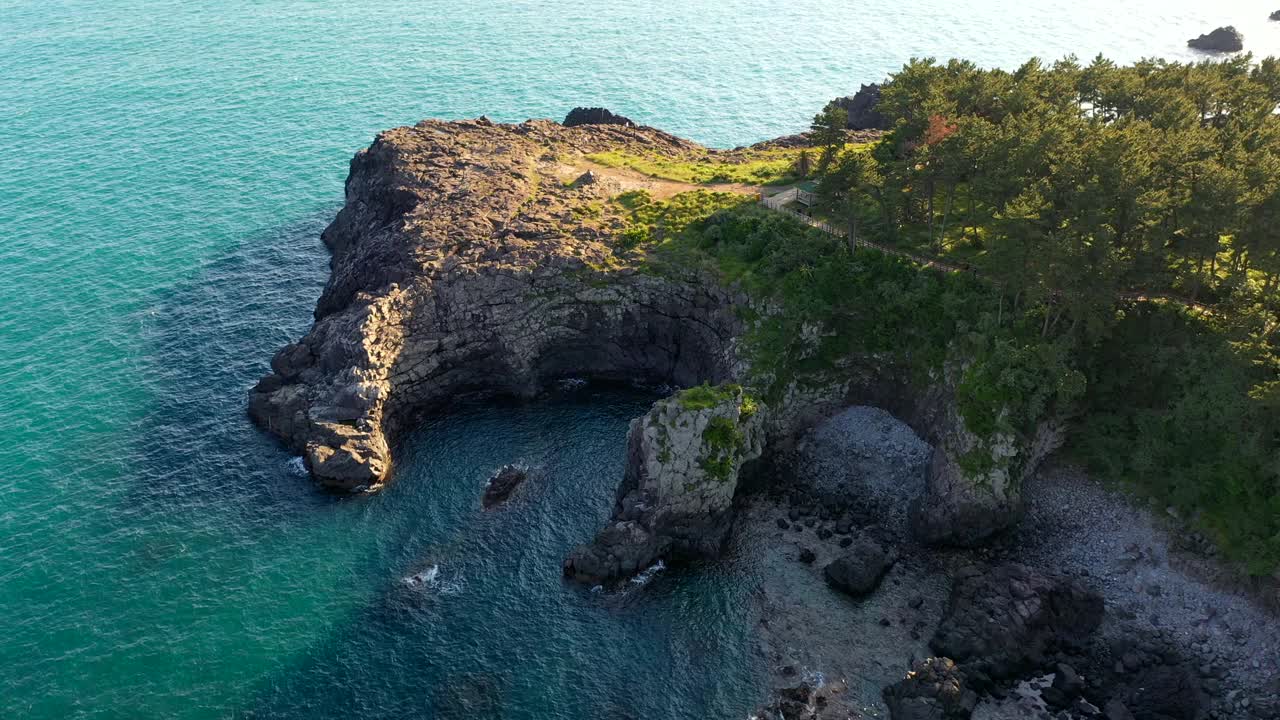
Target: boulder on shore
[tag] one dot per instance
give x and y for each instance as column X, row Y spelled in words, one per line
column 594, row 116
column 1008, row 620
column 1224, row 39
column 935, row 689
column 858, row 572
column 502, row 484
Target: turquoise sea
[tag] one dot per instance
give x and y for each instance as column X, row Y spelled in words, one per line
column 166, row 167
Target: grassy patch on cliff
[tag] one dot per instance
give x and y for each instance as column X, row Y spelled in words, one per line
column 705, row 397
column 752, row 167
column 831, row 303
column 722, row 441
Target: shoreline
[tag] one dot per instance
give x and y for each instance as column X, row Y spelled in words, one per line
column 1073, row 525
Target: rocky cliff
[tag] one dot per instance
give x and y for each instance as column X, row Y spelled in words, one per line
column 474, row 259
column 466, row 263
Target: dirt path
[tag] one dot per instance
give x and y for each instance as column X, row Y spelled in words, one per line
column 659, row 188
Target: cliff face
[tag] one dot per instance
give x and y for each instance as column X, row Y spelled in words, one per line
column 464, row 265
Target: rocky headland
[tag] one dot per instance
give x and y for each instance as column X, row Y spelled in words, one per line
column 475, row 260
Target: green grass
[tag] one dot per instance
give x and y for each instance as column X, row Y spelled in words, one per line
column 763, row 167
column 705, row 397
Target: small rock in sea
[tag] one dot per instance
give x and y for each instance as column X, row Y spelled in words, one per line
column 916, row 602
column 884, row 622
column 823, row 533
column 798, row 527
column 594, row 116
column 1223, row 39
column 806, row 556
column 502, row 484
column 846, row 542
column 810, row 522
column 794, row 515
column 1275, row 15
column 783, row 524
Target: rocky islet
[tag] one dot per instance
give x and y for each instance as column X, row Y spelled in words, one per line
column 1221, row 40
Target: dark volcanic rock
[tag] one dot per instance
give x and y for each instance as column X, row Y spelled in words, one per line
column 1275, row 15
column 502, row 484
column 1224, row 39
column 862, row 111
column 593, row 116
column 1005, row 621
column 1164, row 692
column 935, row 689
column 859, row 571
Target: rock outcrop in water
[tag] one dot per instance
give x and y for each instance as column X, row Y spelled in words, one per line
column 1224, row 39
column 861, row 108
column 502, row 484
column 683, row 459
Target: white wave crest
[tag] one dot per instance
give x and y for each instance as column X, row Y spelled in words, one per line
column 649, row 573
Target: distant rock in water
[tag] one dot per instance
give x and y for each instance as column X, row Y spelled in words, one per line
column 862, row 109
column 1224, row 39
column 503, row 483
column 594, row 116
column 1275, row 15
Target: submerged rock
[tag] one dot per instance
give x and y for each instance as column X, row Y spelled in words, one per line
column 502, row 484
column 683, row 458
column 594, row 116
column 1223, row 39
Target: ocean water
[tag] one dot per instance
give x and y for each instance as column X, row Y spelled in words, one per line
column 165, row 170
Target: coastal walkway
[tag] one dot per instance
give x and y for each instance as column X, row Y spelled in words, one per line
column 781, row 202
